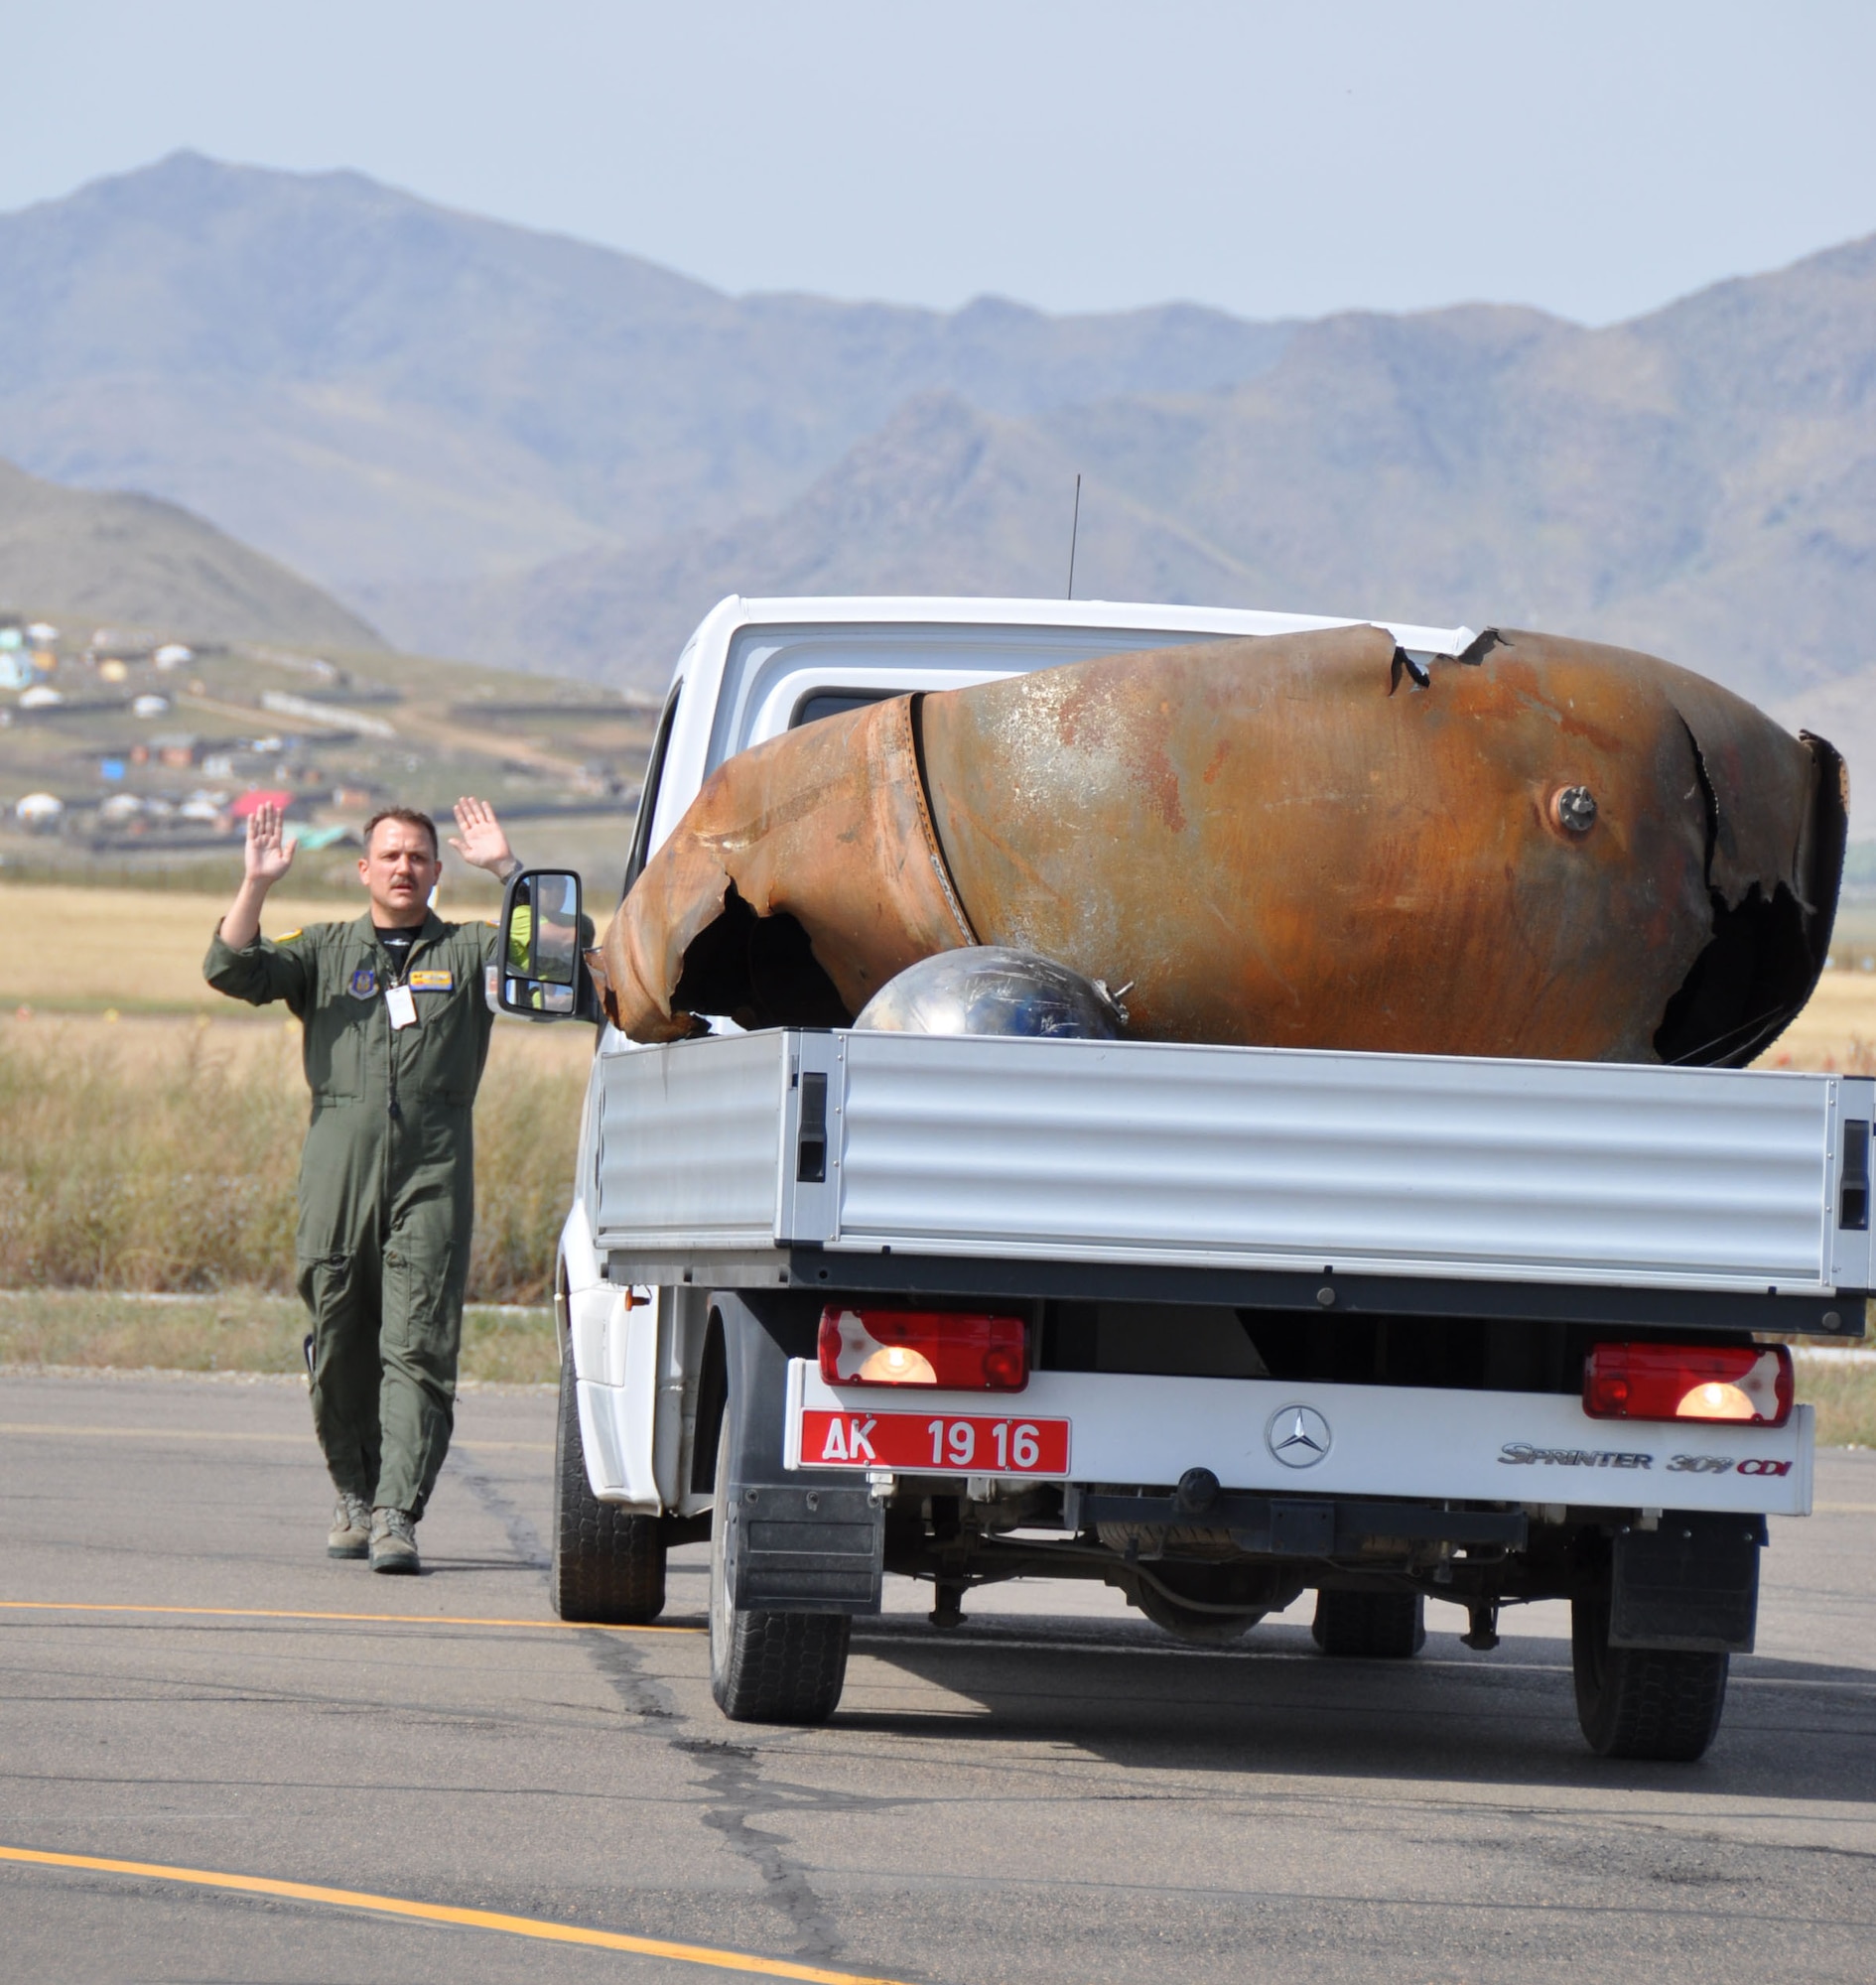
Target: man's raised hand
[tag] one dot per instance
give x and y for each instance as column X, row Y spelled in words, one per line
column 268, row 854
column 483, row 844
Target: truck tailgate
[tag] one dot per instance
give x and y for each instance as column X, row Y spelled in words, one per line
column 1169, row 1154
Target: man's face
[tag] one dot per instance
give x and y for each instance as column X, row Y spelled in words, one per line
column 399, row 869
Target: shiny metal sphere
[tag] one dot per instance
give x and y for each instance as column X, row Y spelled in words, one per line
column 987, row 989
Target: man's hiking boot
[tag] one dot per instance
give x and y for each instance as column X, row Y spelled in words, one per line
column 350, row 1534
column 393, row 1542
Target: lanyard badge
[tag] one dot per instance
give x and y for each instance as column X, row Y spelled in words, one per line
column 401, row 1004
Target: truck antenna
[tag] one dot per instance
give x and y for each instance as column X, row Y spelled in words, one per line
column 1074, row 532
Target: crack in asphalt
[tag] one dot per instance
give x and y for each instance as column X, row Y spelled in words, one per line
column 523, row 1538
column 740, row 1797
column 623, row 1664
column 736, row 1794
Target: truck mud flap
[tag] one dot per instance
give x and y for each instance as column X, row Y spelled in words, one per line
column 805, row 1550
column 1690, row 1583
column 804, row 1541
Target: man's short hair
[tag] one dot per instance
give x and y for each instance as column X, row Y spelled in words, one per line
column 411, row 818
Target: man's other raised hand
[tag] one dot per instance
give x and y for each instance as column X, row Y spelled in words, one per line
column 268, row 854
column 483, row 843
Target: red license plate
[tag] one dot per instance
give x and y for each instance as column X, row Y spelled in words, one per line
column 934, row 1443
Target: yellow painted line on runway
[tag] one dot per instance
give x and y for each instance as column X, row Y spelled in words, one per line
column 219, row 1433
column 140, row 1433
column 529, row 1927
column 376, row 1619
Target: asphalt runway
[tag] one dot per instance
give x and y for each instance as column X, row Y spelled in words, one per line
column 1056, row 1791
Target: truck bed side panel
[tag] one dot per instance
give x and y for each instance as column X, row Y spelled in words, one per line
column 1398, row 1164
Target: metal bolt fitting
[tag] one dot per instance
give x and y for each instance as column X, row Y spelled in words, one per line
column 1574, row 809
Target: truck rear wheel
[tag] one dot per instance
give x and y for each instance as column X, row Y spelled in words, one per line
column 608, row 1563
column 1657, row 1704
column 1370, row 1625
column 767, row 1667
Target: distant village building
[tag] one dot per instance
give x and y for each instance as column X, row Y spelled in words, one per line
column 40, row 813
column 127, row 644
column 256, row 798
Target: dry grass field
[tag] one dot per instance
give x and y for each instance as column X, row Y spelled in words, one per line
column 160, row 1155
column 133, row 951
column 1844, row 1395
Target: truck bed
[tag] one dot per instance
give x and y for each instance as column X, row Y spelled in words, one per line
column 1269, row 1178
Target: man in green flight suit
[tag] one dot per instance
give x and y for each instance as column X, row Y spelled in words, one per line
column 396, row 1032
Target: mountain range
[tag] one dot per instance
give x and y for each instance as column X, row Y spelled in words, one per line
column 521, row 449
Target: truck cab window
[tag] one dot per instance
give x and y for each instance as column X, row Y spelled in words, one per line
column 648, row 798
column 821, row 702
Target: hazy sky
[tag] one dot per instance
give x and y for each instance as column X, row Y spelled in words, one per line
column 1595, row 159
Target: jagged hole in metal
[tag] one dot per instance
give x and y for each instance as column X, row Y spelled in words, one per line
column 760, row 972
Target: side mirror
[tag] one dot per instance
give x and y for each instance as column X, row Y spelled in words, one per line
column 541, row 971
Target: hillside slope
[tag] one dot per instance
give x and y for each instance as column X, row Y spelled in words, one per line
column 118, row 557
column 377, row 389
column 942, row 499
column 1699, row 482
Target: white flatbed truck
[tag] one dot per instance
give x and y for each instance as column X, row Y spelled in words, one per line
column 1216, row 1325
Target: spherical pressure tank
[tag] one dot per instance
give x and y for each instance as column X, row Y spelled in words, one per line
column 988, row 989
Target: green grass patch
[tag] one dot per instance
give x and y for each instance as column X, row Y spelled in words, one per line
column 236, row 1330
column 1845, row 1398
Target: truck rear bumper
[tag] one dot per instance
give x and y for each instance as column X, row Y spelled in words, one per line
column 1314, row 1440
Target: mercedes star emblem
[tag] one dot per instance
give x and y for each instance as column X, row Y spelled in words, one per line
column 1299, row 1436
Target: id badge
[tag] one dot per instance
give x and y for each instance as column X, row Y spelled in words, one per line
column 401, row 1004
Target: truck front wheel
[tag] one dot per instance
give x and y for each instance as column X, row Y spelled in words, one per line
column 1657, row 1704
column 766, row 1667
column 1370, row 1625
column 608, row 1565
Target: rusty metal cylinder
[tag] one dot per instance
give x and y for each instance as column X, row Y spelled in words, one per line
column 1539, row 848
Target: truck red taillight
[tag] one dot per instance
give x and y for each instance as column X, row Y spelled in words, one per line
column 1747, row 1383
column 923, row 1347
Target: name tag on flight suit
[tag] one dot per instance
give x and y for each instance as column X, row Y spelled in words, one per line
column 401, row 1004
column 433, row 981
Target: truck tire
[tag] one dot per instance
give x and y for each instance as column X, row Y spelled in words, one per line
column 1657, row 1704
column 608, row 1563
column 767, row 1667
column 1370, row 1625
